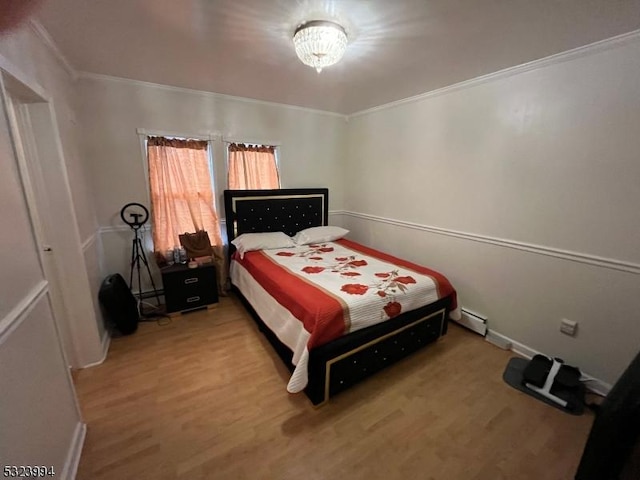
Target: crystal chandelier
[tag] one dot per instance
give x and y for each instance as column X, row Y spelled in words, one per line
column 320, row 43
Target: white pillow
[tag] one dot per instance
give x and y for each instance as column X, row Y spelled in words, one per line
column 248, row 242
column 319, row 235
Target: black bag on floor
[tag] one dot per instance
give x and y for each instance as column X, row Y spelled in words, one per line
column 118, row 304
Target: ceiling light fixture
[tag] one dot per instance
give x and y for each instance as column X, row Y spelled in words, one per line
column 320, row 43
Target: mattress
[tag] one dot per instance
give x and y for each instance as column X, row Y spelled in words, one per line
column 311, row 295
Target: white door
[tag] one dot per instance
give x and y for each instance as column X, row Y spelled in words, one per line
column 39, row 210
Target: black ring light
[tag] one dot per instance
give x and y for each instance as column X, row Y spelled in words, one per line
column 137, row 220
column 136, row 223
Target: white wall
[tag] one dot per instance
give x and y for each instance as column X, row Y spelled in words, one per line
column 515, row 170
column 310, row 151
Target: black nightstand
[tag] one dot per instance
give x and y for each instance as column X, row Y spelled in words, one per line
column 188, row 288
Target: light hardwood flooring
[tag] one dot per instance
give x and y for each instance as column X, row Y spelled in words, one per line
column 204, row 398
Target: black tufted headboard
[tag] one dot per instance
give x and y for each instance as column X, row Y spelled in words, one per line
column 287, row 210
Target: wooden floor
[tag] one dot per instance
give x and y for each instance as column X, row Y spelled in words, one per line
column 205, row 397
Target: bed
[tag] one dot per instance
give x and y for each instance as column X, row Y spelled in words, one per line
column 274, row 285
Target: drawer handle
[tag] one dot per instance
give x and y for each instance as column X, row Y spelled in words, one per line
column 191, row 280
column 192, row 299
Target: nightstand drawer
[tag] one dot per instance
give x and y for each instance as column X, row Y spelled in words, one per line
column 187, row 288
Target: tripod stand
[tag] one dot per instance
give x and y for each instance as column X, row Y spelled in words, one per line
column 137, row 250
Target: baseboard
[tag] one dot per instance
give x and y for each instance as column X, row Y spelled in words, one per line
column 150, row 293
column 597, row 386
column 75, row 451
column 106, row 342
column 498, row 340
column 593, row 384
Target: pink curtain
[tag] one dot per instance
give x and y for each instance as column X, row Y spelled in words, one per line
column 252, row 167
column 181, row 195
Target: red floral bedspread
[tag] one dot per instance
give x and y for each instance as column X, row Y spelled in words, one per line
column 339, row 287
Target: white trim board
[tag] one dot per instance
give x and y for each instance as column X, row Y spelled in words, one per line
column 46, row 39
column 16, row 72
column 604, row 262
column 106, row 343
column 144, row 228
column 16, row 316
column 75, row 451
column 561, row 57
column 191, row 91
column 122, row 228
column 593, row 384
column 90, row 240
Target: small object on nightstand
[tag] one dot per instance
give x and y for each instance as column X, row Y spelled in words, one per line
column 193, row 264
column 204, row 260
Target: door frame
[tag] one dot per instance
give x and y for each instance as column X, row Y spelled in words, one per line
column 52, row 215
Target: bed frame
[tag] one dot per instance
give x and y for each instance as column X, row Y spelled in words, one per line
column 335, row 366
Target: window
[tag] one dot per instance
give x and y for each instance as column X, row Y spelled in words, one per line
column 252, row 167
column 182, row 197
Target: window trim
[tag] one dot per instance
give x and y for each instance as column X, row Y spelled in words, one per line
column 206, row 136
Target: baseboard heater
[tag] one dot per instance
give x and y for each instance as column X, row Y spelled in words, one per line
column 473, row 321
column 146, row 294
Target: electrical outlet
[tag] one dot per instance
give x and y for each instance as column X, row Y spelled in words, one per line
column 568, row 327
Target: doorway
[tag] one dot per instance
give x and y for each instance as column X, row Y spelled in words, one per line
column 46, row 188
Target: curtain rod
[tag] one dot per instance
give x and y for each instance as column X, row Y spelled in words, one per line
column 163, row 133
column 251, row 141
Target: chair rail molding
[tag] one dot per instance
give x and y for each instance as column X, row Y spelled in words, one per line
column 21, row 311
column 604, row 262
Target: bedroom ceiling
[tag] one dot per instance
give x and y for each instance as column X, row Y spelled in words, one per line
column 397, row 48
